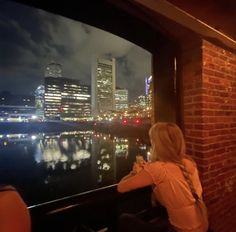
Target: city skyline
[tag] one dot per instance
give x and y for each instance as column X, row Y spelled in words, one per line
column 33, row 38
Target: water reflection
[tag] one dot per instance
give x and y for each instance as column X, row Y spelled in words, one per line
column 64, row 151
column 53, row 165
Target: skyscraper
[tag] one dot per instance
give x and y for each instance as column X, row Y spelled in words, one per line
column 148, row 91
column 103, row 85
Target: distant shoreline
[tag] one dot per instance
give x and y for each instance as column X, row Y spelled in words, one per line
column 61, row 126
column 40, row 127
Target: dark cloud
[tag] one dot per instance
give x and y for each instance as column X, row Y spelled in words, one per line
column 32, row 38
column 123, row 67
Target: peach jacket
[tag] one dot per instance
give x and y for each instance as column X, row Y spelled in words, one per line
column 171, row 190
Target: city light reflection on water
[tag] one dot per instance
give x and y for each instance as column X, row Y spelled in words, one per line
column 48, row 166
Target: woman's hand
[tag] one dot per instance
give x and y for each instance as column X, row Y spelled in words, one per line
column 138, row 165
column 140, row 160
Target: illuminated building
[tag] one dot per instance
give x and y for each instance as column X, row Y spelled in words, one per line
column 103, row 85
column 121, row 99
column 39, row 100
column 75, row 101
column 53, row 70
column 148, row 91
column 142, row 101
column 52, row 97
column 16, row 107
column 66, row 99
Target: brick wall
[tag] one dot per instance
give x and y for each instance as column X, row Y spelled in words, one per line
column 209, row 117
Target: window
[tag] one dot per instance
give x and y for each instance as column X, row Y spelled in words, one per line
column 81, row 81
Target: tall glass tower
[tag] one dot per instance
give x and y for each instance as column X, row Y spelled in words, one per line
column 103, row 85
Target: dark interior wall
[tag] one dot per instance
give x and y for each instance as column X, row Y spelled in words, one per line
column 164, row 88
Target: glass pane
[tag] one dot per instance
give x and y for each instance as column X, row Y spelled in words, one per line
column 75, row 104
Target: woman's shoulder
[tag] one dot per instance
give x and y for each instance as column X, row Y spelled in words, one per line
column 154, row 166
column 156, row 170
column 190, row 164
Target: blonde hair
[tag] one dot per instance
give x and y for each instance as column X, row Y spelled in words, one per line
column 169, row 146
column 167, row 142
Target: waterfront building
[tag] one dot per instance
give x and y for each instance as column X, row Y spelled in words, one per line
column 121, row 99
column 39, row 100
column 66, row 99
column 75, row 101
column 103, row 85
column 16, row 107
column 52, row 97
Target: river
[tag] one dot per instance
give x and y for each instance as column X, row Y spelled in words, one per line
column 50, row 166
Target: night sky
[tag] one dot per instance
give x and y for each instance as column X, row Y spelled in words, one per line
column 31, row 38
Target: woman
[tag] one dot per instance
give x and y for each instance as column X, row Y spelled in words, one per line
column 14, row 215
column 174, row 176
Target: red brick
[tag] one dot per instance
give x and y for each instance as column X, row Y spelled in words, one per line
column 211, row 128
